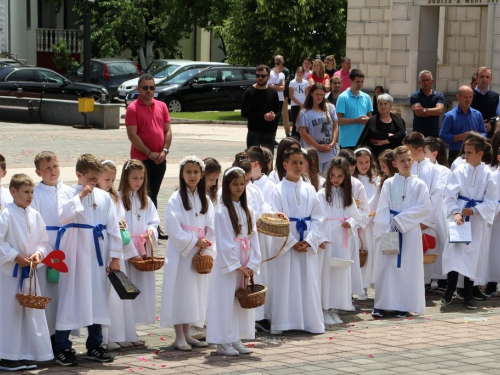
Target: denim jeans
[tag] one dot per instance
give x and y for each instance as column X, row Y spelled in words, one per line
column 94, row 339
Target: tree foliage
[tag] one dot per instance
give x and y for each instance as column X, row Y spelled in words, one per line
column 63, row 60
column 256, row 30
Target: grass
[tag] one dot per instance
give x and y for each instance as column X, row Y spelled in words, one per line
column 209, row 116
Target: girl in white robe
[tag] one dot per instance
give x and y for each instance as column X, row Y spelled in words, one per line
column 5, row 197
column 311, row 169
column 238, row 259
column 121, row 333
column 189, row 223
column 339, row 225
column 211, row 177
column 24, row 334
column 366, row 172
column 142, row 222
column 278, row 173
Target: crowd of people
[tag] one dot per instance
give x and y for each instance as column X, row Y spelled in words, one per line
column 366, row 201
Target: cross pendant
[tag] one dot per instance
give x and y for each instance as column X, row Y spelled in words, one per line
column 240, row 226
column 196, row 214
column 95, row 206
column 138, row 217
column 403, row 197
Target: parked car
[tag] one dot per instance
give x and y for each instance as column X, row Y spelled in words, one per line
column 108, row 72
column 8, row 62
column 158, row 63
column 209, row 89
column 51, row 84
column 165, row 71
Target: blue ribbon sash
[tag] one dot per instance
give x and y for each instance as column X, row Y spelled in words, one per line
column 471, row 203
column 395, row 213
column 301, row 225
column 25, row 274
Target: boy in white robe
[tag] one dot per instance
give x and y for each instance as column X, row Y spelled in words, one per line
column 296, row 302
column 471, row 195
column 5, row 197
column 404, row 204
column 91, row 242
column 45, row 201
column 24, row 334
column 429, row 173
column 257, row 159
column 493, row 272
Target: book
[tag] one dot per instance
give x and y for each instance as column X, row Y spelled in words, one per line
column 460, row 233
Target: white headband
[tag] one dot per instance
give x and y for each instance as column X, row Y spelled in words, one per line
column 304, row 151
column 108, row 162
column 362, row 149
column 126, row 165
column 192, row 159
column 232, row 169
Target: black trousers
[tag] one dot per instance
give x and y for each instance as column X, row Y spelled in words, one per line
column 261, row 139
column 452, row 284
column 155, row 178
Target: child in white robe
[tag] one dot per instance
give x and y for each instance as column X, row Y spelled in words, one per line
column 366, row 172
column 259, row 179
column 238, row 258
column 311, row 168
column 279, row 172
column 92, row 243
column 211, row 177
column 121, row 333
column 403, row 205
column 142, row 221
column 296, row 301
column 24, row 334
column 430, row 174
column 45, row 201
column 471, row 195
column 189, row 222
column 341, row 217
column 5, row 197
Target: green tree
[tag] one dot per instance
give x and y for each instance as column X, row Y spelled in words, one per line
column 256, row 30
column 62, row 58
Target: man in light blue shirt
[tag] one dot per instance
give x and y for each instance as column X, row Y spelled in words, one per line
column 354, row 108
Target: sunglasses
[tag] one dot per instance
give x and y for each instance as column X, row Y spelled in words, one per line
column 146, row 88
column 261, row 75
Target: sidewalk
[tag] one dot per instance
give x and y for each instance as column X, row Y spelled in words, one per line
column 448, row 340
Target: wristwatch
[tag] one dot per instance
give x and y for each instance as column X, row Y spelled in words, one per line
column 166, row 151
column 425, row 110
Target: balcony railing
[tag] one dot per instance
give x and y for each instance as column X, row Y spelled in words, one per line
column 46, row 38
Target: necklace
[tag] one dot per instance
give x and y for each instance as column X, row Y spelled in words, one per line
column 135, row 210
column 91, row 200
column 404, row 188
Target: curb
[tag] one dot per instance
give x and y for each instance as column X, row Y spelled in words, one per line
column 189, row 121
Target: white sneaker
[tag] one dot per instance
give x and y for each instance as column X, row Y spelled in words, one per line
column 197, row 333
column 276, row 332
column 362, row 297
column 242, row 349
column 226, row 349
column 335, row 316
column 328, row 319
column 113, row 346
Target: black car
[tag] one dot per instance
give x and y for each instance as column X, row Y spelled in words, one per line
column 51, row 84
column 109, row 73
column 209, row 89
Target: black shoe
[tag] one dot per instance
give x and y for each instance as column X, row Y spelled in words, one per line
column 29, row 365
column 100, row 354
column 491, row 290
column 460, row 293
column 400, row 314
column 477, row 294
column 66, row 358
column 378, row 313
column 263, row 325
column 447, row 297
column 7, row 365
column 161, row 234
column 442, row 285
column 470, row 303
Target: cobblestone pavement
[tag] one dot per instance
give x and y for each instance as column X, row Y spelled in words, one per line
column 447, row 340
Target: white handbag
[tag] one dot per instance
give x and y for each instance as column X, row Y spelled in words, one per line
column 389, row 243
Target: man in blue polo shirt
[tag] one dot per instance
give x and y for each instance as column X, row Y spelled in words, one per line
column 461, row 120
column 354, row 108
column 427, row 106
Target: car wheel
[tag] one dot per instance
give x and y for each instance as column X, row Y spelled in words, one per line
column 174, row 105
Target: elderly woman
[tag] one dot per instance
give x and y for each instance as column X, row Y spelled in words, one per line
column 384, row 130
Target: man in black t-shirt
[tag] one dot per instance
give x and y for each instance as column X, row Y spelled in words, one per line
column 427, row 106
column 261, row 107
column 485, row 100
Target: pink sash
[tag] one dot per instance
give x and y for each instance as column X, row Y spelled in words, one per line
column 140, row 242
column 201, row 232
column 244, row 248
column 345, row 233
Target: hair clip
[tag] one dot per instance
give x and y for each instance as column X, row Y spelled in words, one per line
column 232, row 169
column 107, row 162
column 304, row 151
column 192, row 159
column 126, row 165
column 362, row 149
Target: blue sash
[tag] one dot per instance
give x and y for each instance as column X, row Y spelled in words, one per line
column 25, row 274
column 471, row 203
column 301, row 225
column 395, row 213
column 97, row 231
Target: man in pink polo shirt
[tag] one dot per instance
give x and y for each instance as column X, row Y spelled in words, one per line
column 148, row 129
column 344, row 72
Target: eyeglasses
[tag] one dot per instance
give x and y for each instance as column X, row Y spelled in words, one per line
column 146, row 88
column 261, row 75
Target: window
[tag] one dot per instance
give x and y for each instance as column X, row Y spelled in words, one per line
column 119, row 69
column 231, row 75
column 250, row 74
column 164, row 71
column 207, row 77
column 50, row 77
column 25, row 75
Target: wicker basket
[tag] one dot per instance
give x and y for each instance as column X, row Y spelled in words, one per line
column 251, row 296
column 363, row 254
column 203, row 263
column 275, row 226
column 32, row 301
column 431, row 258
column 149, row 263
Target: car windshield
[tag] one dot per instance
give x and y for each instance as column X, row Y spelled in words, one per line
column 179, row 78
column 122, row 68
column 164, row 71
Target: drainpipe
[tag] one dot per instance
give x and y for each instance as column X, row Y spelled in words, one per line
column 8, row 28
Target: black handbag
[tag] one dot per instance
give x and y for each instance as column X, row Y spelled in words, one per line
column 123, row 286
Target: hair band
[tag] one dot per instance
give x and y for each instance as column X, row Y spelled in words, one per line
column 304, row 151
column 107, row 162
column 232, row 169
column 126, row 165
column 362, row 149
column 192, row 159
